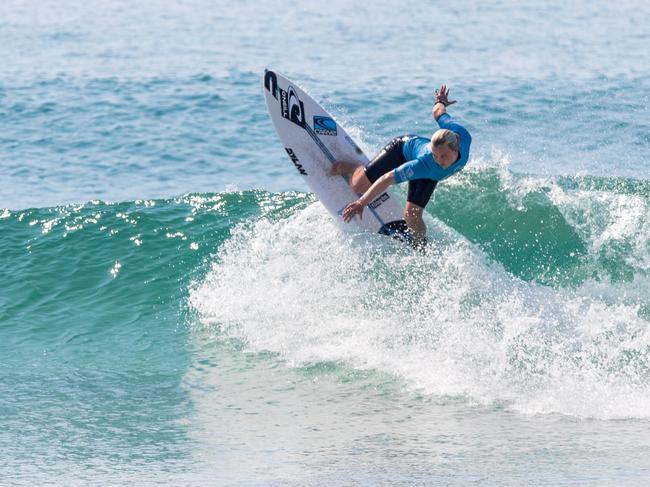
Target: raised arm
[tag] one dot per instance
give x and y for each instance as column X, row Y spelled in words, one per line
column 442, row 102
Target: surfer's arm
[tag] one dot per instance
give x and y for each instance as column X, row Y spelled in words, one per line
column 442, row 102
column 378, row 187
column 438, row 110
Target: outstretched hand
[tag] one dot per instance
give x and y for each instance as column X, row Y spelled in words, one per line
column 442, row 96
column 354, row 208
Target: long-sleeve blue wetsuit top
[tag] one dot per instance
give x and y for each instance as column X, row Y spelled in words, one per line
column 420, row 162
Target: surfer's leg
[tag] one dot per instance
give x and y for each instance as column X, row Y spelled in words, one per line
column 361, row 178
column 420, row 191
column 358, row 179
column 389, row 158
column 343, row 168
column 419, row 194
column 413, row 217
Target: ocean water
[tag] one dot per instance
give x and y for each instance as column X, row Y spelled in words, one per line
column 176, row 308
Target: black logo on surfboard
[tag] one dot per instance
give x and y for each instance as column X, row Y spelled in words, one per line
column 271, row 83
column 290, row 105
column 296, row 162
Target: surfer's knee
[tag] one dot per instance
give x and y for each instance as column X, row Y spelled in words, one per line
column 359, row 181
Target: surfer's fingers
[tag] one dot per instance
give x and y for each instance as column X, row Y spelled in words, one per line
column 347, row 214
column 351, row 210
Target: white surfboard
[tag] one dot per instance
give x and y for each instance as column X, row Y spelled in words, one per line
column 314, row 141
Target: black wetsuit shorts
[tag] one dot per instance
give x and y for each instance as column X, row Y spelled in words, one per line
column 391, row 157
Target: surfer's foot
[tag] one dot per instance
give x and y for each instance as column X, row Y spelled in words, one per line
column 343, row 168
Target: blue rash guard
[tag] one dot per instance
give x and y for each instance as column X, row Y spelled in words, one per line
column 420, row 162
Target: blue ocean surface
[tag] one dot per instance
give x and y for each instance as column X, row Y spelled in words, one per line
column 176, row 308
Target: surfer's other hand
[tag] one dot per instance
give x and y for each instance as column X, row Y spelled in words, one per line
column 442, row 96
column 354, row 208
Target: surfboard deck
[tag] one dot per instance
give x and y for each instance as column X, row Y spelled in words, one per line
column 314, row 140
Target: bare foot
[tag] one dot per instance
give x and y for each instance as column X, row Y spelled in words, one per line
column 342, row 168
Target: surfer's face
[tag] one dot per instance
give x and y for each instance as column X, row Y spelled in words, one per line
column 444, row 156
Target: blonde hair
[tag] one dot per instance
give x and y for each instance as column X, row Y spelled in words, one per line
column 445, row 136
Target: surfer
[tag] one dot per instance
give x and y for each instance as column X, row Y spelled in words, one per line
column 420, row 161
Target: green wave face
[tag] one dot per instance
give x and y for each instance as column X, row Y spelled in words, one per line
column 93, row 320
column 130, row 261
